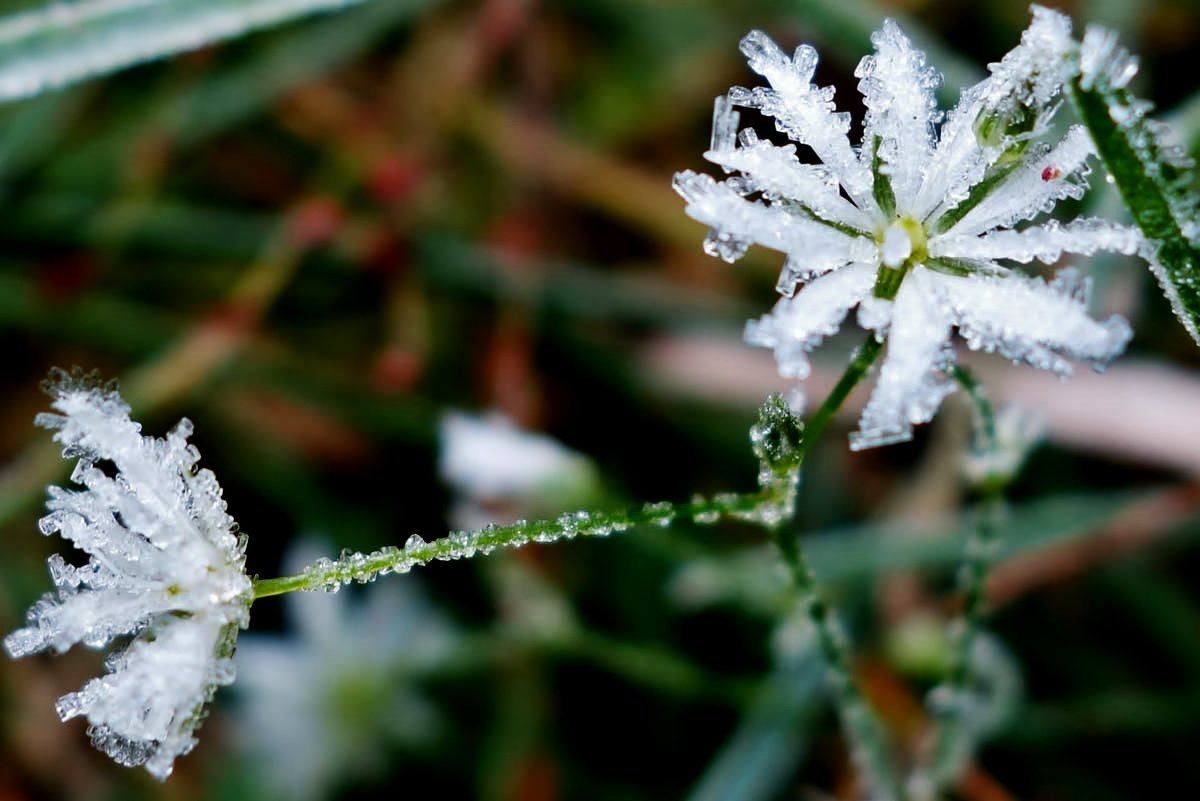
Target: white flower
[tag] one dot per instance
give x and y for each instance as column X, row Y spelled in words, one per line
column 326, row 704
column 165, row 566
column 910, row 225
column 503, row 472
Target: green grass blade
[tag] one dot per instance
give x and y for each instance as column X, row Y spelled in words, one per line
column 62, row 43
column 772, row 738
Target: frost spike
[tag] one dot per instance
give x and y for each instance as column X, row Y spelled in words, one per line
column 898, row 90
column 1045, row 243
column 804, row 111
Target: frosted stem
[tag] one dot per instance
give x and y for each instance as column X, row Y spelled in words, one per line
column 863, row 729
column 864, row 357
column 329, row 574
column 955, row 741
column 781, row 444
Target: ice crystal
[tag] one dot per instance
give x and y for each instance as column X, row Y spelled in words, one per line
column 914, row 224
column 326, row 704
column 501, row 472
column 165, row 567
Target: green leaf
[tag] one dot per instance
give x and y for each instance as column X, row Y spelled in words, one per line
column 62, row 43
column 1153, row 179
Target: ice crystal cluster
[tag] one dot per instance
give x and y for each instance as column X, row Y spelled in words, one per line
column 917, row 226
column 327, row 704
column 165, row 568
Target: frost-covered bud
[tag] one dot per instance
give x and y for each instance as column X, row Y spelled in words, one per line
column 165, row 567
column 501, row 472
column 777, row 437
column 1018, row 99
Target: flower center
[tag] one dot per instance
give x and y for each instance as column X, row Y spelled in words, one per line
column 901, row 241
column 901, row 245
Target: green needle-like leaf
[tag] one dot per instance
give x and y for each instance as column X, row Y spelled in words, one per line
column 1153, row 179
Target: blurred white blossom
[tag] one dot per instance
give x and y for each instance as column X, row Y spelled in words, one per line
column 165, row 566
column 1017, row 432
column 501, row 472
column 326, row 704
column 910, row 225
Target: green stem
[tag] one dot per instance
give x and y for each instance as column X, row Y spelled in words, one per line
column 864, row 357
column 330, row 574
column 863, row 729
column 985, row 415
column 956, row 740
column 781, row 446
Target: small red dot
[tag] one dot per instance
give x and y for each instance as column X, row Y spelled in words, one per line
column 1050, row 173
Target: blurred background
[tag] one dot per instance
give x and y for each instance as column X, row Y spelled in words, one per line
column 316, row 241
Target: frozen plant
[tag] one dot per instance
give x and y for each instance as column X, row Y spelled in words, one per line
column 915, row 226
column 326, row 703
column 501, row 472
column 165, row 566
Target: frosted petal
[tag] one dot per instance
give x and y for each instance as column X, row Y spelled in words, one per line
column 1017, row 100
column 898, row 90
column 1034, row 187
column 734, row 218
column 145, row 710
column 910, row 386
column 1029, row 320
column 777, row 174
column 796, row 325
column 959, row 160
column 1046, row 243
column 804, row 111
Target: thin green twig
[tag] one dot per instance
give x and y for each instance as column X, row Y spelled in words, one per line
column 955, row 740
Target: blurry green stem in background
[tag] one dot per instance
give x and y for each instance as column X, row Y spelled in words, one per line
column 958, row 732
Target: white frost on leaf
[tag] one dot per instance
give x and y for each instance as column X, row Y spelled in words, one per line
column 501, row 472
column 165, row 566
column 63, row 42
column 917, row 226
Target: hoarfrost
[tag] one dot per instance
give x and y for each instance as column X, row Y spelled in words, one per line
column 164, row 566
column 917, row 225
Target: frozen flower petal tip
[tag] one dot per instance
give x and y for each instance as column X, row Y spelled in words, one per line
column 922, row 224
column 165, row 567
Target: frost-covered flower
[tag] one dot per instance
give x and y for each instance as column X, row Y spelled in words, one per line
column 502, row 472
column 165, row 566
column 910, row 225
column 326, row 704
